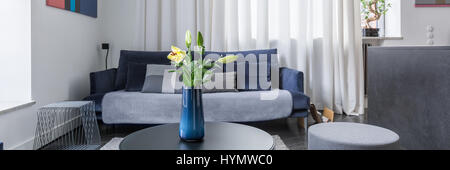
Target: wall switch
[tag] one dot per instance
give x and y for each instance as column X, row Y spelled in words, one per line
column 430, row 35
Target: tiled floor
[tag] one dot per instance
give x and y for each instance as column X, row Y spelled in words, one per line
column 287, row 129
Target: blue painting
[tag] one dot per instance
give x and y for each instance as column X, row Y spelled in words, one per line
column 85, row 7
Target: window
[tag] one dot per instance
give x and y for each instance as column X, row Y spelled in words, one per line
column 389, row 24
column 15, row 53
column 393, row 23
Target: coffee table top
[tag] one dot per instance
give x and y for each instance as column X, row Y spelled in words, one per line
column 218, row 136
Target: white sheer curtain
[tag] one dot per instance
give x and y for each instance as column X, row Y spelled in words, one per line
column 319, row 37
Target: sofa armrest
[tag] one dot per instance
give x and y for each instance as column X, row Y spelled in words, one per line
column 291, row 80
column 1, row 145
column 103, row 81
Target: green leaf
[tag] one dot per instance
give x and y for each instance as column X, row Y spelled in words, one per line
column 217, row 65
column 207, row 76
column 198, row 76
column 208, row 64
column 187, row 79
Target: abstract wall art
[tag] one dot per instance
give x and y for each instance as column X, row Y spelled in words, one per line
column 432, row 3
column 85, row 7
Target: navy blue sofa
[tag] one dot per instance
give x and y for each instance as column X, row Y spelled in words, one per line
column 114, row 80
column 1, row 145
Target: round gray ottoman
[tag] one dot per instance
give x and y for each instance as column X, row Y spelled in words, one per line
column 351, row 136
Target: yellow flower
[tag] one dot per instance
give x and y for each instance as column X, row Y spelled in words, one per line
column 228, row 59
column 177, row 55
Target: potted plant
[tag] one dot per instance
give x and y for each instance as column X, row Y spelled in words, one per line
column 372, row 10
column 195, row 72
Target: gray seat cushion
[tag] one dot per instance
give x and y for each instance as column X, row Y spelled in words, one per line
column 351, row 136
column 154, row 108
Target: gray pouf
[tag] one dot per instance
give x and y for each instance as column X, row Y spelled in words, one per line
column 351, row 136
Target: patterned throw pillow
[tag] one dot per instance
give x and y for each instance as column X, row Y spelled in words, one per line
column 159, row 80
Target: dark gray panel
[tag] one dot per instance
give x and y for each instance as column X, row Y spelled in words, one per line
column 409, row 93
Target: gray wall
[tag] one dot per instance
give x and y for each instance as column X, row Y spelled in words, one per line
column 409, row 93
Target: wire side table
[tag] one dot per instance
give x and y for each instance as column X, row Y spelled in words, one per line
column 67, row 126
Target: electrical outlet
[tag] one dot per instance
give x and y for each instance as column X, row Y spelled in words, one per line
column 105, row 46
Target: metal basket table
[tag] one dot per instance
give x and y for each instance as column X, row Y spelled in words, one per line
column 67, row 126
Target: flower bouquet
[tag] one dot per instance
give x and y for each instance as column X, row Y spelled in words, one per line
column 195, row 73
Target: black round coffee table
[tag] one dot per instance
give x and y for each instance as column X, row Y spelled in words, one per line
column 218, row 136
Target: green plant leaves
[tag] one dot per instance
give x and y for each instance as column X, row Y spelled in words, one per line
column 372, row 10
column 197, row 72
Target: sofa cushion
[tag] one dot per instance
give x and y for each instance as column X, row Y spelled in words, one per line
column 221, row 82
column 258, row 54
column 254, row 81
column 151, row 108
column 142, row 57
column 158, row 79
column 136, row 76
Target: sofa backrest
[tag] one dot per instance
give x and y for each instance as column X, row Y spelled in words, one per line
column 150, row 57
column 143, row 57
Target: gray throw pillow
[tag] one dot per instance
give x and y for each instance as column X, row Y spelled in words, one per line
column 158, row 79
column 221, row 82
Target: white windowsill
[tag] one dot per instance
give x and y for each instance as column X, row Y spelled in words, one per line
column 13, row 106
column 382, row 38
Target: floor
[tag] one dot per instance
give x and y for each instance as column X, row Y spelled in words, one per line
column 289, row 131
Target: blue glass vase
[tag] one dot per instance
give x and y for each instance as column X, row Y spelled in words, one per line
column 192, row 124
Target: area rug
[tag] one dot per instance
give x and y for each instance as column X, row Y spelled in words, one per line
column 114, row 143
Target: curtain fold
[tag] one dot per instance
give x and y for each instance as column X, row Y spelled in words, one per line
column 319, row 37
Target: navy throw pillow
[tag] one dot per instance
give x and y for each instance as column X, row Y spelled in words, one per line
column 135, row 77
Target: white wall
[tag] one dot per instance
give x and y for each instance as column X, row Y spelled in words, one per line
column 121, row 27
column 15, row 51
column 414, row 23
column 64, row 50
